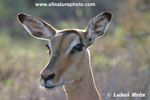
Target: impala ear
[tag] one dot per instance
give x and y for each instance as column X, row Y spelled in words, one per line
column 36, row 26
column 97, row 27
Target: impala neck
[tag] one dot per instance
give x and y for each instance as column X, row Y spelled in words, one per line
column 84, row 89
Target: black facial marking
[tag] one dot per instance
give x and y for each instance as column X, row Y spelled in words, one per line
column 67, row 32
column 47, row 46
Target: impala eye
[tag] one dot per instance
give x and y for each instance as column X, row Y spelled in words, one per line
column 49, row 50
column 78, row 48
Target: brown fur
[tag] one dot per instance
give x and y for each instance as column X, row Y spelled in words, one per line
column 71, row 70
column 97, row 26
column 83, row 74
column 85, row 88
column 100, row 20
column 31, row 20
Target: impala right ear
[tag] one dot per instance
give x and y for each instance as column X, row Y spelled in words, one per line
column 97, row 27
column 36, row 26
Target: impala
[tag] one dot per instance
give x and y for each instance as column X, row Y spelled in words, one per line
column 69, row 63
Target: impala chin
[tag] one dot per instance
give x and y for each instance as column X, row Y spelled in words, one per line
column 48, row 85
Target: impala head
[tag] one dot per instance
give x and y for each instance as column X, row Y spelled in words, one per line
column 67, row 48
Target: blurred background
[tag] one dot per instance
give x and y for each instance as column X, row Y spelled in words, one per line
column 120, row 59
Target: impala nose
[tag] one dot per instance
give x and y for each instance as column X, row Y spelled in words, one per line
column 49, row 77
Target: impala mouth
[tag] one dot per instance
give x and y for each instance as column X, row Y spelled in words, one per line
column 51, row 87
column 48, row 85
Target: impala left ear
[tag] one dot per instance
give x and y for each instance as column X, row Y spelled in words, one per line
column 36, row 27
column 97, row 27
